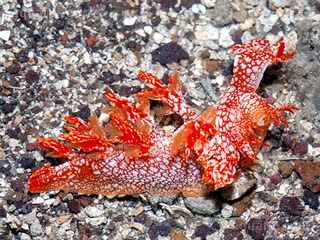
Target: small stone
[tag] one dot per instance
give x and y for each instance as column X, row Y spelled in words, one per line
column 17, row 185
column 309, row 173
column 74, row 206
column 206, row 32
column 209, row 3
column 36, row 228
column 157, row 37
column 31, row 146
column 94, row 212
column 86, row 58
column 300, row 148
column 204, row 230
column 14, row 68
column 279, row 3
column 84, row 113
column 169, row 53
column 311, row 199
column 3, row 212
column 27, row 162
column 226, row 211
column 207, row 205
column 32, row 76
column 240, row 206
column 257, row 228
column 162, row 228
column 275, row 179
column 239, row 188
column 131, row 59
column 285, row 168
column 7, row 108
column 5, row 35
column 286, row 143
column 291, row 205
column 129, row 21
column 232, row 234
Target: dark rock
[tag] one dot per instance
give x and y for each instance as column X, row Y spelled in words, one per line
column 257, row 228
column 188, row 3
column 291, row 205
column 167, row 3
column 275, row 179
column 286, row 143
column 232, row 234
column 17, row 185
column 27, row 162
column 155, row 21
column 85, row 201
column 169, row 53
column 14, row 68
column 118, row 218
column 300, row 148
column 311, row 199
column 204, row 230
column 3, row 212
column 31, row 146
column 74, row 206
column 32, row 76
column 309, row 173
column 162, row 229
column 140, row 218
column 84, row 113
column 7, row 108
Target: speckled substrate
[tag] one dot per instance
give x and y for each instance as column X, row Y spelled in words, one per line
column 57, row 58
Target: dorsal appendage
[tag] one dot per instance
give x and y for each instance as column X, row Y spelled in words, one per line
column 253, row 58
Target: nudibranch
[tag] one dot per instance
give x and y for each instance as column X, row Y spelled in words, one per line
column 129, row 155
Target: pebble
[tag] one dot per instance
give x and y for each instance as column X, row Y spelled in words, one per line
column 239, row 188
column 232, row 234
column 129, row 21
column 93, row 211
column 267, row 19
column 226, row 210
column 131, row 59
column 311, row 199
column 257, row 228
column 5, row 35
column 300, row 148
column 309, row 173
column 204, row 230
column 157, row 37
column 32, row 76
column 169, row 53
column 8, row 108
column 162, row 228
column 225, row 39
column 209, row 3
column 291, row 205
column 285, row 168
column 36, row 228
column 203, row 205
column 74, row 206
column 207, row 32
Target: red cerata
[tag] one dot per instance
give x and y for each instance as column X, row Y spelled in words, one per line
column 129, row 155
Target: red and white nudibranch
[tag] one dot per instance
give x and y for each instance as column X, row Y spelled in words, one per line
column 129, row 155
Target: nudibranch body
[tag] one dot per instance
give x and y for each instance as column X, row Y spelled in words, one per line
column 129, row 155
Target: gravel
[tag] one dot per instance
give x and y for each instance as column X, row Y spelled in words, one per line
column 57, row 58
